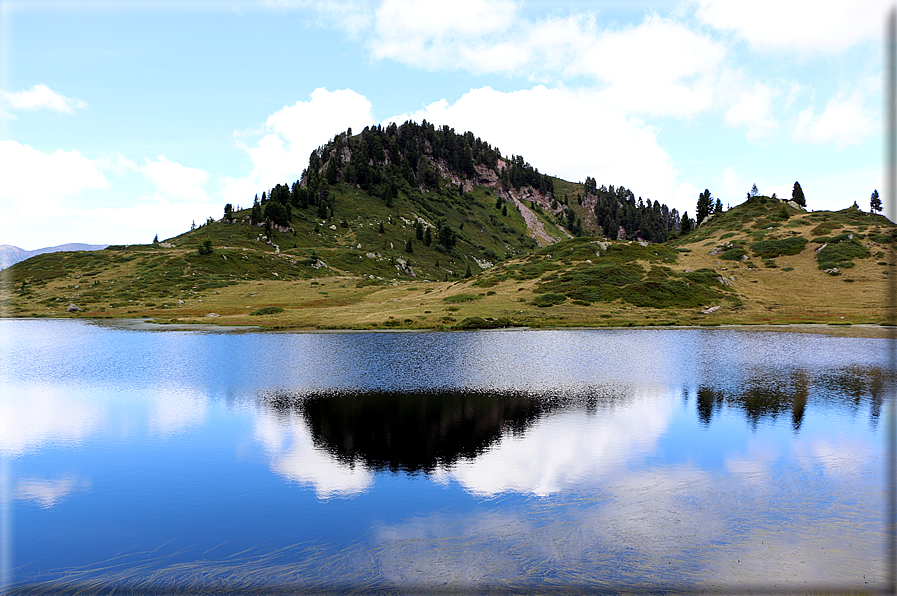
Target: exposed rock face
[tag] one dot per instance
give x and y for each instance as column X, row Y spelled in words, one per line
column 707, row 311
column 73, row 308
column 402, row 267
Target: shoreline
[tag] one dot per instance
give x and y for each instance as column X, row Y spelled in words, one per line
column 861, row 330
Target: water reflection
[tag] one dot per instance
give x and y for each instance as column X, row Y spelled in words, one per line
column 410, row 432
column 768, row 395
column 487, row 443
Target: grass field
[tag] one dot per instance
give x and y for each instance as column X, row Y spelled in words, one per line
column 756, row 264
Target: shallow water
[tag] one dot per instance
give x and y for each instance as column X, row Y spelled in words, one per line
column 587, row 460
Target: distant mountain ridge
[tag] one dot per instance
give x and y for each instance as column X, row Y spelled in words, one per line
column 10, row 255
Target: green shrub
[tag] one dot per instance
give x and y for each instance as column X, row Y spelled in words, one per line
column 481, row 323
column 770, row 249
column 841, row 254
column 733, row 254
column 460, row 298
column 546, row 300
column 267, row 310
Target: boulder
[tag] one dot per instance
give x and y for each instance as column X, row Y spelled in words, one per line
column 73, row 308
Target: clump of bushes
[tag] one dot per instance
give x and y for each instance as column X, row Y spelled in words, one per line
column 770, row 249
column 841, row 254
column 481, row 323
column 267, row 310
column 460, row 298
column 550, row 299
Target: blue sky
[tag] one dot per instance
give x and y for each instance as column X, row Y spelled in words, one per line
column 120, row 120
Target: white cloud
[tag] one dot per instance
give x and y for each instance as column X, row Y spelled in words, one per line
column 176, row 181
column 753, row 110
column 567, row 133
column 432, row 34
column 353, row 16
column 40, row 97
column 845, row 121
column 801, row 26
column 659, row 67
column 293, row 132
column 30, row 175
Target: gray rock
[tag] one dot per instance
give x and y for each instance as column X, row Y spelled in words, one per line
column 73, row 308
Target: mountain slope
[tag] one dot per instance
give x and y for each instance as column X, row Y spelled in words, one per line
column 437, row 230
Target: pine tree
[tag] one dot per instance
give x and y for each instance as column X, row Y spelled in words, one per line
column 754, row 191
column 705, row 204
column 686, row 225
column 875, row 202
column 797, row 195
column 718, row 207
column 156, row 239
column 409, row 246
column 428, row 238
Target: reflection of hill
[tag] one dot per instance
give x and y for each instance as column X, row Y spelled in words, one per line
column 411, row 432
column 764, row 397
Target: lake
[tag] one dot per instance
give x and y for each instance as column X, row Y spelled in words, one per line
column 550, row 461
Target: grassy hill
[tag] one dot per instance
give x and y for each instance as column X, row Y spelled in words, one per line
column 414, row 227
column 757, row 263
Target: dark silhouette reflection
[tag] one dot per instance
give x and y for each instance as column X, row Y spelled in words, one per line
column 771, row 396
column 411, row 432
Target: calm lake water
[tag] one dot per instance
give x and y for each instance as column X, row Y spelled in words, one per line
column 507, row 461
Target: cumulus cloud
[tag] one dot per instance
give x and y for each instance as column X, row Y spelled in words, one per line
column 801, row 26
column 352, row 16
column 431, row 34
column 26, row 173
column 292, row 133
column 753, row 111
column 40, row 97
column 845, row 121
column 176, row 181
column 567, row 133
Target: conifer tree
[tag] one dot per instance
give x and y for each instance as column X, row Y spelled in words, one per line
column 797, row 195
column 875, row 202
column 705, row 204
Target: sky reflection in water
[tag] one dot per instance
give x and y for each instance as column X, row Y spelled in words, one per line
column 573, row 459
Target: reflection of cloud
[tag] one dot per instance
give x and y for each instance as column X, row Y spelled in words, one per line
column 672, row 525
column 174, row 411
column 34, row 415
column 840, row 456
column 294, row 456
column 565, row 450
column 47, row 493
